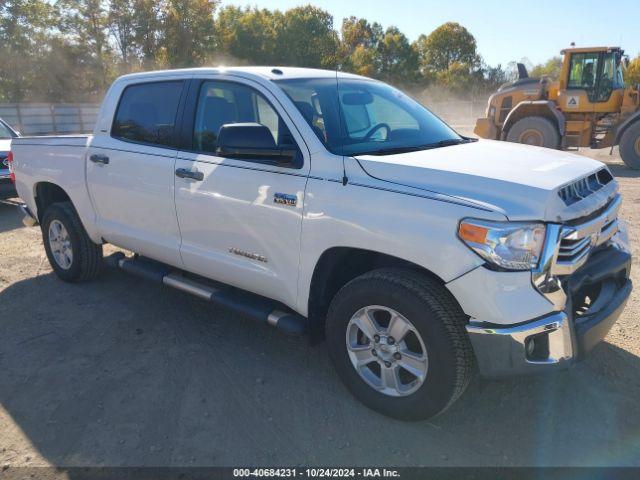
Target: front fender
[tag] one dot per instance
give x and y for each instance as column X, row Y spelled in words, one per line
column 545, row 108
column 368, row 214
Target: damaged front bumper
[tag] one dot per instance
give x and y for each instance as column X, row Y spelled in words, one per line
column 595, row 297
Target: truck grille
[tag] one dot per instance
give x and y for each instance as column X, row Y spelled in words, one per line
column 577, row 241
column 584, row 187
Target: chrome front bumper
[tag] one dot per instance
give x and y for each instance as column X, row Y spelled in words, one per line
column 556, row 340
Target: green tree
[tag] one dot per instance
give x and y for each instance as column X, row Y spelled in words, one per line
column 551, row 69
column 248, row 34
column 633, row 72
column 25, row 30
column 306, row 38
column 358, row 50
column 121, row 23
column 189, row 31
column 398, row 59
column 447, row 45
column 148, row 32
column 85, row 24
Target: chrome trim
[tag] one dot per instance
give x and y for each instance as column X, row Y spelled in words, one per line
column 28, row 219
column 274, row 316
column 249, row 255
column 543, row 280
column 587, row 235
column 179, row 282
column 502, row 350
column 285, row 199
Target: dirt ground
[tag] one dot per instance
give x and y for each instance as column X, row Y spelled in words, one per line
column 119, row 372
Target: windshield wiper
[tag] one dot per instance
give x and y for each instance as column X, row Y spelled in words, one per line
column 390, row 151
column 427, row 146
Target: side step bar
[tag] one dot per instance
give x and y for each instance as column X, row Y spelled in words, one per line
column 247, row 304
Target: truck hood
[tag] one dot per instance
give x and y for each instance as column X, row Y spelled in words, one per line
column 519, row 181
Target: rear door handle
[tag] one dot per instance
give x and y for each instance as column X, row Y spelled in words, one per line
column 97, row 158
column 192, row 174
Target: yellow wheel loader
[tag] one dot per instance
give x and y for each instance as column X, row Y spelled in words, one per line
column 588, row 106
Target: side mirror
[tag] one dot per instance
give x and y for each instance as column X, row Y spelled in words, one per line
column 252, row 141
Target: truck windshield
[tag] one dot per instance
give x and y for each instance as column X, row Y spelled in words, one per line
column 359, row 117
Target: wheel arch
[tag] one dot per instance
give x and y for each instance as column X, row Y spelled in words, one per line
column 336, row 267
column 534, row 108
column 47, row 193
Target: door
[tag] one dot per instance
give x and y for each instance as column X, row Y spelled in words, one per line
column 582, row 83
column 130, row 172
column 240, row 219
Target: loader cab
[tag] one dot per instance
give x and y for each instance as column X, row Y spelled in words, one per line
column 592, row 80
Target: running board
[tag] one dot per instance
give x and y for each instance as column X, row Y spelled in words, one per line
column 247, row 304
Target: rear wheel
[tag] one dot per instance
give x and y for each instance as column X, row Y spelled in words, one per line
column 537, row 131
column 398, row 342
column 630, row 146
column 71, row 253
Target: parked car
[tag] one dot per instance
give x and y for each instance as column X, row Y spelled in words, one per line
column 333, row 203
column 7, row 189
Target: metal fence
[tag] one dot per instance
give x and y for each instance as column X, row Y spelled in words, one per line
column 460, row 114
column 50, row 119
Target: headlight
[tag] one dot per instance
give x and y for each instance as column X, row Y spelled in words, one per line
column 508, row 245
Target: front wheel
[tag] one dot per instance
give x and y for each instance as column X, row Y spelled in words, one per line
column 536, row 131
column 630, row 146
column 71, row 253
column 397, row 340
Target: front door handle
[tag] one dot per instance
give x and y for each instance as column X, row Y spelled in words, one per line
column 97, row 158
column 192, row 174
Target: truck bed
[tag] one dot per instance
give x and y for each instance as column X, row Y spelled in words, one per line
column 60, row 160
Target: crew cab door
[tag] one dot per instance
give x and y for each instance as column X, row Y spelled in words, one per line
column 240, row 219
column 130, row 170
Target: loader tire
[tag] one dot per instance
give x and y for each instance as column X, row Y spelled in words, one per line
column 536, row 131
column 630, row 146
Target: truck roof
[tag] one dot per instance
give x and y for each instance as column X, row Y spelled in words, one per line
column 269, row 73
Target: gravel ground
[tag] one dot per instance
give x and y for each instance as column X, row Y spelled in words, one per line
column 120, row 372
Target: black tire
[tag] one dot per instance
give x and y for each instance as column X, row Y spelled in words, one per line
column 630, row 146
column 87, row 256
column 436, row 316
column 537, row 131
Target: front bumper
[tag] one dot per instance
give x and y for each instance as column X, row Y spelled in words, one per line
column 596, row 295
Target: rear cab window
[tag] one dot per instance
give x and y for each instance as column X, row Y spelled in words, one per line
column 147, row 113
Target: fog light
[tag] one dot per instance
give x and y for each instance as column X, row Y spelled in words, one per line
column 530, row 347
column 537, row 347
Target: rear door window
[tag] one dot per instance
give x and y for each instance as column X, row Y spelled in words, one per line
column 147, row 113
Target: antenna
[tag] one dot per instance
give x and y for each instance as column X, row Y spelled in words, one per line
column 345, row 179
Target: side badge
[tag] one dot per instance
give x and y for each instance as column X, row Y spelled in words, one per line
column 285, row 199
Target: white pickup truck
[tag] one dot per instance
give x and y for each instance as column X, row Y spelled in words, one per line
column 337, row 205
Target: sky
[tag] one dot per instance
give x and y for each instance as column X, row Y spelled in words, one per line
column 505, row 30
